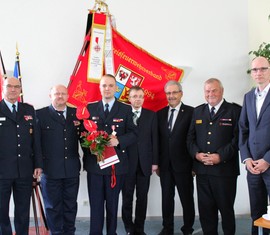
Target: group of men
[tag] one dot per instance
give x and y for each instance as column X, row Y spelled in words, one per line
column 178, row 142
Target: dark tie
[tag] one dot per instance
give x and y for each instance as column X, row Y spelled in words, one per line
column 61, row 114
column 212, row 113
column 170, row 120
column 135, row 117
column 14, row 110
column 106, row 110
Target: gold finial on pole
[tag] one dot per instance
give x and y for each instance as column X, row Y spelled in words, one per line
column 101, row 6
column 17, row 50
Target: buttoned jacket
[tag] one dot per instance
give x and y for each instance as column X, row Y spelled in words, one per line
column 20, row 149
column 120, row 120
column 255, row 132
column 216, row 135
column 59, row 142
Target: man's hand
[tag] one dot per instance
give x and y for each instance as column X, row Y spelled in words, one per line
column 257, row 167
column 208, row 159
column 113, row 141
column 37, row 173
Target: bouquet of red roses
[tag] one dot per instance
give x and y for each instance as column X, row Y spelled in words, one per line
column 95, row 140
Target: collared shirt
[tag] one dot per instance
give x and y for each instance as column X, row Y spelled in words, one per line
column 64, row 111
column 216, row 107
column 139, row 111
column 175, row 114
column 109, row 103
column 260, row 97
column 10, row 105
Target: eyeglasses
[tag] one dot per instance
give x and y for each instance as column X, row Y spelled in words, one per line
column 262, row 69
column 137, row 96
column 172, row 93
column 9, row 86
column 60, row 93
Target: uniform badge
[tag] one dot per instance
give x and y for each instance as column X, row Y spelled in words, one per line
column 31, row 131
column 199, row 121
column 28, row 117
column 76, row 123
column 225, row 122
column 117, row 120
column 95, row 118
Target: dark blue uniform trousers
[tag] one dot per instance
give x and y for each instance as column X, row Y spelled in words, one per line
column 22, row 189
column 60, row 200
column 102, row 194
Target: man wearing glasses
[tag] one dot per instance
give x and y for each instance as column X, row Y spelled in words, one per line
column 143, row 157
column 175, row 163
column 20, row 157
column 254, row 138
column 59, row 134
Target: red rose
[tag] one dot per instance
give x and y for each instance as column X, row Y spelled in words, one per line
column 93, row 146
column 90, row 138
column 82, row 113
column 90, row 125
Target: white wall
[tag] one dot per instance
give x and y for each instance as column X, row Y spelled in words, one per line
column 210, row 37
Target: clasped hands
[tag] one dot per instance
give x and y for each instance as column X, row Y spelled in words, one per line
column 208, row 159
column 256, row 167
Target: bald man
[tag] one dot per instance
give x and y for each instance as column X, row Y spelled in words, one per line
column 59, row 131
column 254, row 141
column 20, row 157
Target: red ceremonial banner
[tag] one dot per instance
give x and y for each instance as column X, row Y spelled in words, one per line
column 133, row 66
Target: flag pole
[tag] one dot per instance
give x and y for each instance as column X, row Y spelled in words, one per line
column 82, row 52
column 3, row 66
column 19, row 69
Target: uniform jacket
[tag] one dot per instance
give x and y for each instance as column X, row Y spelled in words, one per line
column 255, row 132
column 19, row 147
column 59, row 142
column 219, row 135
column 120, row 117
column 145, row 150
column 172, row 146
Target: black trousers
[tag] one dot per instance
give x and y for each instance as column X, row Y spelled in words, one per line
column 184, row 184
column 141, row 183
column 216, row 194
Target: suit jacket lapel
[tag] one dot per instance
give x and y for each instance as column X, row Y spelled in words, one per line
column 114, row 110
column 179, row 117
column 101, row 110
column 264, row 106
column 55, row 115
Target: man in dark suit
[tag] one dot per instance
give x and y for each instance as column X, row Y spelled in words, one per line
column 213, row 144
column 20, row 157
column 59, row 132
column 175, row 163
column 254, row 138
column 115, row 118
column 143, row 160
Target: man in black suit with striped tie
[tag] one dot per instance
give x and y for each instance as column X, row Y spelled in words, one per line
column 175, row 163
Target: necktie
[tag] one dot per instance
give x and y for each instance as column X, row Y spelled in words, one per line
column 135, row 117
column 171, row 120
column 61, row 114
column 106, row 110
column 14, row 110
column 212, row 113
